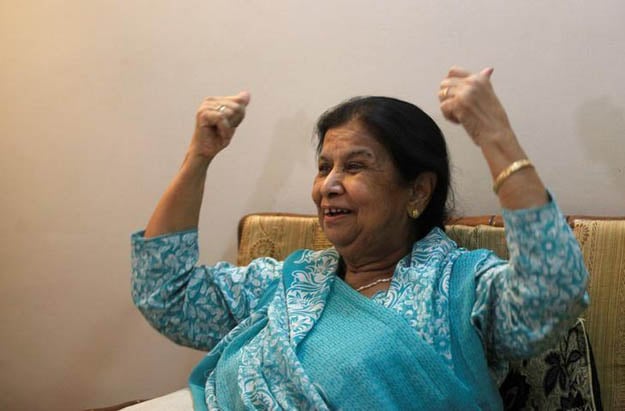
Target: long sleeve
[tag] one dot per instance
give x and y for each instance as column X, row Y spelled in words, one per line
column 524, row 303
column 194, row 305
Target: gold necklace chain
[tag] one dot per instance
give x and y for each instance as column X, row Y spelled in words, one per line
column 376, row 282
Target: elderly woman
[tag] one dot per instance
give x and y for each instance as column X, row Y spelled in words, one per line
column 395, row 315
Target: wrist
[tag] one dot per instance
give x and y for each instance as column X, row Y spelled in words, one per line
column 507, row 172
column 501, row 151
column 498, row 140
column 196, row 163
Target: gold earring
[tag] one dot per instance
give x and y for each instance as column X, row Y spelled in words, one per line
column 414, row 213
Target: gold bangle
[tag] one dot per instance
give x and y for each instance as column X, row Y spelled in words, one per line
column 508, row 171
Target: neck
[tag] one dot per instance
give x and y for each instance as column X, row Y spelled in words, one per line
column 363, row 271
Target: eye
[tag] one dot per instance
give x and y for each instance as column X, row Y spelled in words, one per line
column 324, row 169
column 354, row 166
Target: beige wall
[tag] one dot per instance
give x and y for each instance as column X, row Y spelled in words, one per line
column 98, row 101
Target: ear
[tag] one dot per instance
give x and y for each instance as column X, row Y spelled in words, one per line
column 422, row 188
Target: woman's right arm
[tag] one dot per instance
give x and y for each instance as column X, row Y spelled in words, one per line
column 216, row 122
column 194, row 305
column 191, row 304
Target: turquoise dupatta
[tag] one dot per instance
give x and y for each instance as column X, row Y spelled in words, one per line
column 315, row 343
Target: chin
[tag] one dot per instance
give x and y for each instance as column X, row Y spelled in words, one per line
column 336, row 239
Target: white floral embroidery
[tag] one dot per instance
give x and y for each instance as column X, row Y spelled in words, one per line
column 306, row 295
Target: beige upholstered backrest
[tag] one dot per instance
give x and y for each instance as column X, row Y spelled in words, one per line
column 602, row 242
column 603, row 245
column 277, row 235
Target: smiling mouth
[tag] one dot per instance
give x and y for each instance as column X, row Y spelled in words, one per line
column 333, row 212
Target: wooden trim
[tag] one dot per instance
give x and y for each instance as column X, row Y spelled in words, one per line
column 118, row 406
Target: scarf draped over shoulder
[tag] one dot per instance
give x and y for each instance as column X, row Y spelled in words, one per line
column 315, row 343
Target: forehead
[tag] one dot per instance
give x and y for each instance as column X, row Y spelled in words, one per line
column 352, row 139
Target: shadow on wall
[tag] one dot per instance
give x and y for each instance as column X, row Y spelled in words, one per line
column 601, row 123
column 290, row 147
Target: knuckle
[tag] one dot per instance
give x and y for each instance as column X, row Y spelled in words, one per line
column 202, row 113
column 204, row 116
column 466, row 93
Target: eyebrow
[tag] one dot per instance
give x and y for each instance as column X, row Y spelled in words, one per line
column 352, row 154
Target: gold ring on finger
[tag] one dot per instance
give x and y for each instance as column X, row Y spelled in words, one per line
column 221, row 108
column 446, row 92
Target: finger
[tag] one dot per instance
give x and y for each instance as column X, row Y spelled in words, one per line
column 208, row 117
column 225, row 130
column 447, row 108
column 445, row 93
column 219, row 104
column 233, row 112
column 487, row 72
column 451, row 82
column 226, row 115
column 229, row 118
column 225, row 108
column 456, row 71
column 243, row 98
column 233, row 108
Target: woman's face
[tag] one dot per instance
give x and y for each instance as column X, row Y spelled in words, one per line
column 361, row 202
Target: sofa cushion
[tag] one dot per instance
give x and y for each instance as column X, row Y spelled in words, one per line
column 480, row 236
column 277, row 235
column 562, row 378
column 603, row 246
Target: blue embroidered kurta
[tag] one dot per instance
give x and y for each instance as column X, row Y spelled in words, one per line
column 518, row 304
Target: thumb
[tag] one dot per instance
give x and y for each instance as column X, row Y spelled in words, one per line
column 488, row 71
column 243, row 97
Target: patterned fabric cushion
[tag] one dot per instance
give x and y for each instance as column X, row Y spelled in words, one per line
column 562, row 378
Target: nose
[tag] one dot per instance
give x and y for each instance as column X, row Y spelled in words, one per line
column 332, row 184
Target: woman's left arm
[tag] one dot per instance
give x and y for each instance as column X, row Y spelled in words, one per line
column 469, row 99
column 521, row 303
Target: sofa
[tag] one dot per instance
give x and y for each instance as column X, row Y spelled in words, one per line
column 585, row 370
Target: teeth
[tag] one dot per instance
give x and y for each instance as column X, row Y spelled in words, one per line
column 333, row 211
